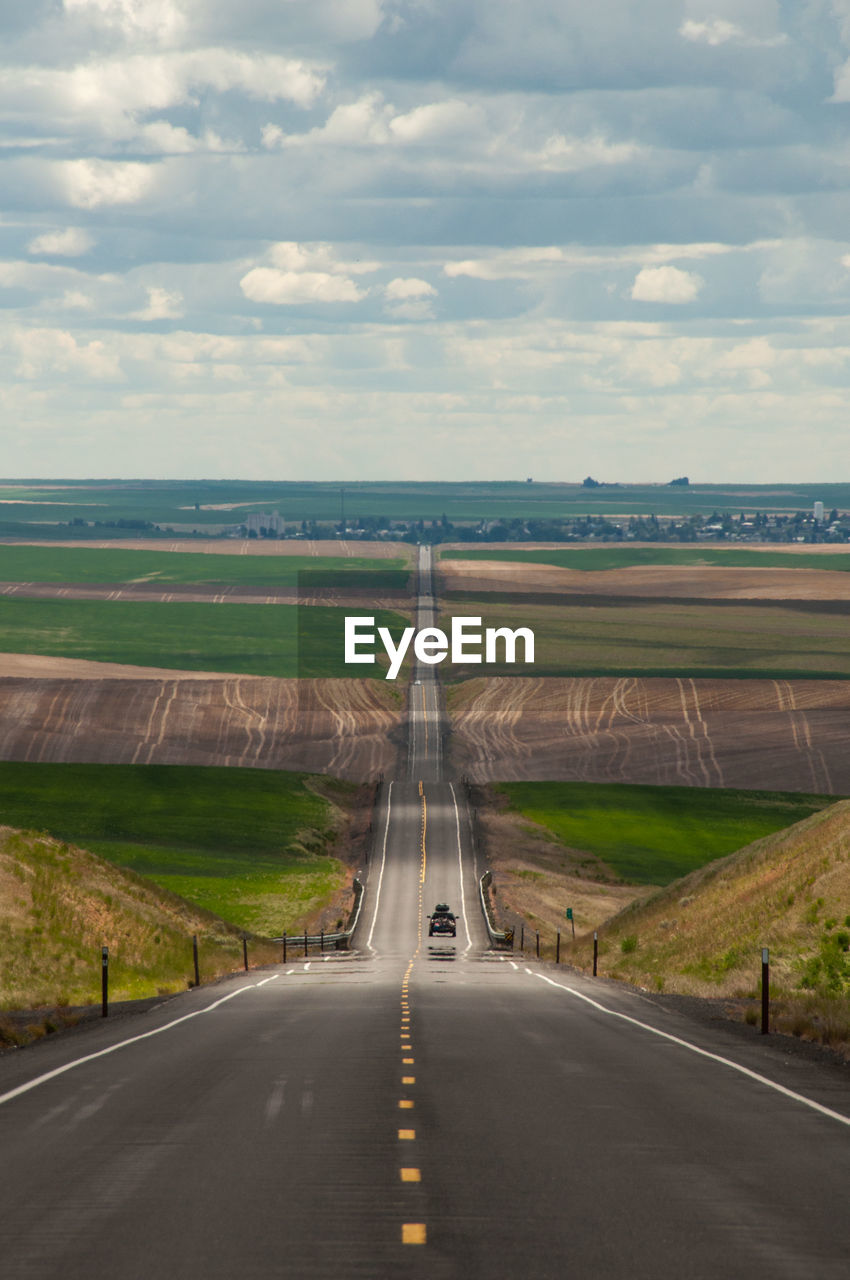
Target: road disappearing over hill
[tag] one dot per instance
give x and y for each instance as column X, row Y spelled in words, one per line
column 420, row 1107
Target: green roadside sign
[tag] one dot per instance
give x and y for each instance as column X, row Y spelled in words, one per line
column 569, row 913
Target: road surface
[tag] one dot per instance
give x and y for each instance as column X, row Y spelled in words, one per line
column 420, row 1107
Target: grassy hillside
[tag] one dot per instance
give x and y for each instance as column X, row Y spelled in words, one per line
column 652, row 835
column 254, row 846
column 703, row 934
column 59, row 905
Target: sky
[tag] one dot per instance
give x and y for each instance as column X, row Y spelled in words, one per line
column 425, row 239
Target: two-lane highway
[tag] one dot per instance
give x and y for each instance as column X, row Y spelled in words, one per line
column 420, row 1107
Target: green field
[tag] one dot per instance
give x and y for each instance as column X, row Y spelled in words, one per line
column 246, row 639
column 617, row 556
column 661, row 639
column 38, row 505
column 251, row 845
column 68, row 564
column 653, row 835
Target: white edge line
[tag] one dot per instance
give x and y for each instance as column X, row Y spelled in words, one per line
column 703, row 1053
column 122, row 1044
column 383, row 864
column 460, row 869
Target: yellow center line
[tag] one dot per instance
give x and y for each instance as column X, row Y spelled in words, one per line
column 410, row 1175
column 408, row 1079
column 405, row 1104
column 413, row 1233
column 406, row 1135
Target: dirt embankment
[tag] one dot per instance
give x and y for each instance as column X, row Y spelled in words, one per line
column 778, row 735
column 535, row 878
column 344, row 727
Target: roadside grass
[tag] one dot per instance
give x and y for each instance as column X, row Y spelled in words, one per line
column 664, row 640
column 653, row 835
column 59, row 905
column 615, row 556
column 244, row 639
column 96, row 565
column 702, row 935
column 254, row 846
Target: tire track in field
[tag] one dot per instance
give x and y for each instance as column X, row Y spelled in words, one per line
column 320, row 726
column 754, row 734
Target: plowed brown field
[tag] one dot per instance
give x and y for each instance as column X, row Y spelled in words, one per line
column 671, row 582
column 775, row 735
column 321, row 726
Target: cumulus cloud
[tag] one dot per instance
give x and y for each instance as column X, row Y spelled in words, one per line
column 717, row 31
column 162, row 20
column 45, row 351
column 666, row 284
column 88, row 184
column 294, row 288
column 714, row 31
column 401, row 289
column 70, row 243
column 163, row 304
column 289, row 255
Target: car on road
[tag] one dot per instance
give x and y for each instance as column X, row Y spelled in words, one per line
column 442, row 921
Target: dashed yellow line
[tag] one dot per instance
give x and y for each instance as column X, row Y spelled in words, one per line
column 410, row 1175
column 406, row 1135
column 413, row 1233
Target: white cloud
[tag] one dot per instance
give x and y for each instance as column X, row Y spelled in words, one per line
column 160, row 19
column 507, row 264
column 403, row 289
column 666, row 284
column 294, row 288
column 434, row 121
column 289, row 255
column 110, row 97
column 163, row 304
column 563, row 154
column 70, row 243
column 89, row 184
column 75, row 300
column 46, row 351
column 715, row 31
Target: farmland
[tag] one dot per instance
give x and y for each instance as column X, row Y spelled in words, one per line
column 35, row 507
column 245, row 639
column 653, row 835
column 616, row 556
column 254, row 847
column 21, row 563
column 613, row 637
column 764, row 735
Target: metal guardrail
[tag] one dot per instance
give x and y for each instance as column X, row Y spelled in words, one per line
column 338, row 941
column 498, row 937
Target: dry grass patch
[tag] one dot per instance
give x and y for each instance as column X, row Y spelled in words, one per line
column 59, row 905
column 703, row 934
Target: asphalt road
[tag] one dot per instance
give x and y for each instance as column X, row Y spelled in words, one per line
column 420, row 1107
